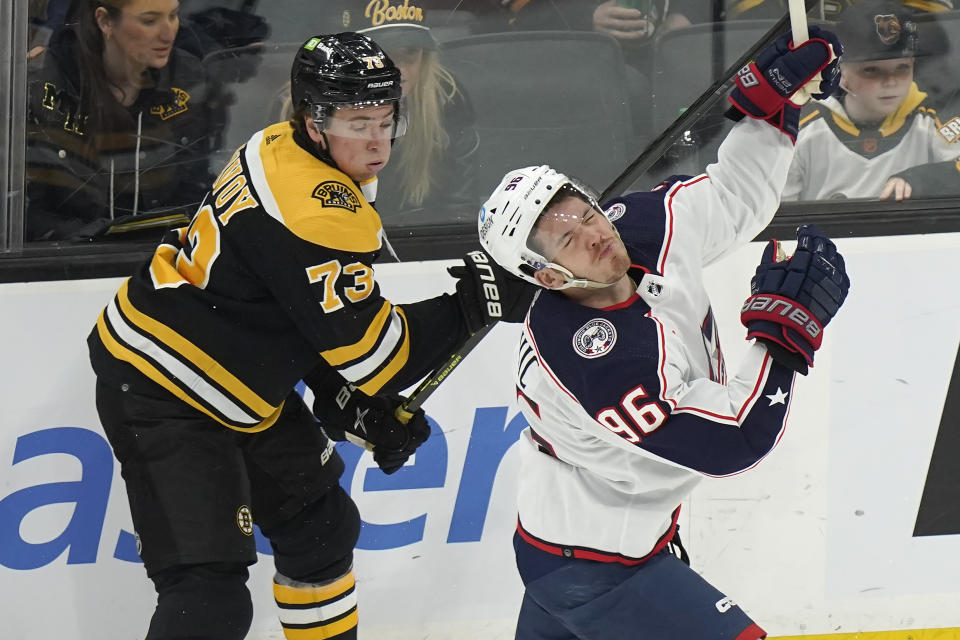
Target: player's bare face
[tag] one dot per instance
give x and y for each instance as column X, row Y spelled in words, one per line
column 876, row 88
column 575, row 235
column 359, row 139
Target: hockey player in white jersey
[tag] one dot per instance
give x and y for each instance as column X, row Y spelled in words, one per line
column 621, row 376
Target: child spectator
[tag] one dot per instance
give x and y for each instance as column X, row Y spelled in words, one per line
column 880, row 124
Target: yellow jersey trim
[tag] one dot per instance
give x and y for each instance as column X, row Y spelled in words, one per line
column 374, row 385
column 318, row 203
column 346, row 353
column 121, row 352
column 196, row 356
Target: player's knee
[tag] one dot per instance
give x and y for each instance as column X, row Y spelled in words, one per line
column 317, row 544
column 209, row 601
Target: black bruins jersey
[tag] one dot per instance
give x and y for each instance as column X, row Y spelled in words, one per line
column 272, row 277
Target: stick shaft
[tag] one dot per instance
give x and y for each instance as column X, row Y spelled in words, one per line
column 430, row 383
column 798, row 21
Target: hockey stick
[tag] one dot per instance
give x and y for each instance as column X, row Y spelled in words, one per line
column 798, row 21
column 428, row 385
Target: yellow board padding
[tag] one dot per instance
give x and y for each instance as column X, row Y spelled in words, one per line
column 952, row 633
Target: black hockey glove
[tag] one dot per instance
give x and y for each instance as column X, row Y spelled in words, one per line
column 783, row 77
column 487, row 293
column 370, row 421
column 794, row 298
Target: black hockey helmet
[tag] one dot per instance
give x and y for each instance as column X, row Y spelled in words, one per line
column 344, row 69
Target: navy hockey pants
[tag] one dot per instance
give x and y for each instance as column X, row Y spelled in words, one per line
column 661, row 599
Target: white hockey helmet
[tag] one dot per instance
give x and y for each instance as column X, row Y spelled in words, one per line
column 509, row 215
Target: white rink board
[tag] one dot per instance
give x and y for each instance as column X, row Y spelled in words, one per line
column 816, row 539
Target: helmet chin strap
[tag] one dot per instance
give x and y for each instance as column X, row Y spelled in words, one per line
column 570, row 280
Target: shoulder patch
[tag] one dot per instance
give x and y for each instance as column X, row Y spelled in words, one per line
column 594, row 339
column 336, row 194
column 950, row 130
column 615, row 211
column 177, row 104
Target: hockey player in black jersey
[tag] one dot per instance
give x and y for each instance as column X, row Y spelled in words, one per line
column 198, row 355
column 620, row 372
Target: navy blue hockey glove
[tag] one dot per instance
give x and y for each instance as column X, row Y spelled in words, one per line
column 487, row 293
column 783, row 77
column 368, row 421
column 793, row 299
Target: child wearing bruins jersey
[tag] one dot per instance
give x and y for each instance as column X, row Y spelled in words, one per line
column 198, row 355
column 880, row 134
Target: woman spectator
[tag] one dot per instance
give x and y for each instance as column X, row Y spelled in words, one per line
column 119, row 120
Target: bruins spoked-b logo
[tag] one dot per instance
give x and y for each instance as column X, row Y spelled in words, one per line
column 245, row 520
column 595, row 338
column 336, row 194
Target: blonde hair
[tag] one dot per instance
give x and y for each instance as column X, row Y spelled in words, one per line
column 426, row 139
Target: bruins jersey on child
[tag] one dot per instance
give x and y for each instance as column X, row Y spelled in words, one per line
column 837, row 158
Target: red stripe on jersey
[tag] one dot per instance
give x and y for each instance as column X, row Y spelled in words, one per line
column 757, row 387
column 600, row 556
column 661, row 361
column 753, row 632
column 622, row 305
column 669, row 206
column 533, row 405
column 542, row 442
column 533, row 343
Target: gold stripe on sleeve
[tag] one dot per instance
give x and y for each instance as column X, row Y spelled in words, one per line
column 374, row 385
column 339, row 355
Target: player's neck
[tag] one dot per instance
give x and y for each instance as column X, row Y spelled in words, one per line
column 615, row 294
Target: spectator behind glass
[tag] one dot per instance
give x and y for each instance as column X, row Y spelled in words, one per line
column 118, row 120
column 880, row 130
column 632, row 22
column 432, row 175
column 774, row 9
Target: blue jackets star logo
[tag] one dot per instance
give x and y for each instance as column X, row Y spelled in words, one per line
column 780, row 397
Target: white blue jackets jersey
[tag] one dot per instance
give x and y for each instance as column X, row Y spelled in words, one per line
column 838, row 159
column 630, row 406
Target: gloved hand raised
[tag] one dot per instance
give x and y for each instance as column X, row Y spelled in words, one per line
column 794, row 298
column 784, row 77
column 487, row 293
